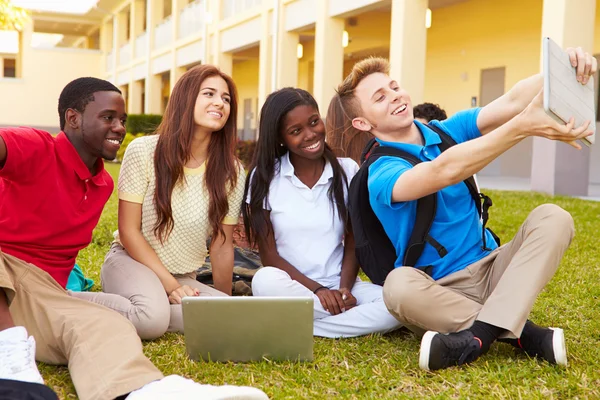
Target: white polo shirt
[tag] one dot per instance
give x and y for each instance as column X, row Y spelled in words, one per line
column 308, row 234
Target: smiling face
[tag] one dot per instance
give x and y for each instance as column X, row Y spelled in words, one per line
column 103, row 125
column 303, row 133
column 386, row 107
column 213, row 104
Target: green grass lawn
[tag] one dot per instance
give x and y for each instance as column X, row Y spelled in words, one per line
column 387, row 366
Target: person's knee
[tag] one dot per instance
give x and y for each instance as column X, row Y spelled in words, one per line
column 555, row 220
column 152, row 323
column 399, row 291
column 265, row 280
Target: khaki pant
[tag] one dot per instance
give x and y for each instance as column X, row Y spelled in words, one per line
column 101, row 348
column 134, row 291
column 499, row 289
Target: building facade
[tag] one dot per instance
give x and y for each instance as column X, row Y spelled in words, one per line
column 457, row 53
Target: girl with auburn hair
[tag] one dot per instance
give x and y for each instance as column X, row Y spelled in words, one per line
column 344, row 139
column 296, row 211
column 176, row 189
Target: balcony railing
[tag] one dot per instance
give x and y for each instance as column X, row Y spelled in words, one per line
column 109, row 61
column 163, row 33
column 125, row 54
column 141, row 42
column 232, row 7
column 191, row 19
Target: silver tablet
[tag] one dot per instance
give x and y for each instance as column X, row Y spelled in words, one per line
column 564, row 97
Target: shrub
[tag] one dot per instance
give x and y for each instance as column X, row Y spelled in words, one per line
column 245, row 151
column 128, row 138
column 143, row 123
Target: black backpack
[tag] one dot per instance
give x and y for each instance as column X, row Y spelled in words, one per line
column 374, row 251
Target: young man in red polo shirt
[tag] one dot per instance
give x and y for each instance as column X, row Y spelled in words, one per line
column 53, row 190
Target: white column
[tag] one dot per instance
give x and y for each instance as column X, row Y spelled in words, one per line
column 176, row 71
column 408, row 46
column 329, row 55
column 152, row 82
column 115, row 51
column 287, row 63
column 264, row 63
column 558, row 168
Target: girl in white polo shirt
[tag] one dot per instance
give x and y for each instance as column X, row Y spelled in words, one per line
column 296, row 211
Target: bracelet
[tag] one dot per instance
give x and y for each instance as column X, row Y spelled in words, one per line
column 319, row 288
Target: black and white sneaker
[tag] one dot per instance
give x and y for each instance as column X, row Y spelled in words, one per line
column 440, row 351
column 544, row 343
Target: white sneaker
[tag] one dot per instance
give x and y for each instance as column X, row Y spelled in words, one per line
column 17, row 356
column 178, row 387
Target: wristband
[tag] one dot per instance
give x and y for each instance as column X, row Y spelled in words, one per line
column 319, row 288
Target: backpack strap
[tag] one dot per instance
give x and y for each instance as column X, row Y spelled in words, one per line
column 477, row 196
column 367, row 149
column 374, row 250
column 426, row 211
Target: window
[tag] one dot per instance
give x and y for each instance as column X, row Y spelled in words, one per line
column 10, row 68
column 232, row 7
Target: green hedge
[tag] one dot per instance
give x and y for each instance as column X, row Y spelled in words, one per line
column 128, row 138
column 143, row 123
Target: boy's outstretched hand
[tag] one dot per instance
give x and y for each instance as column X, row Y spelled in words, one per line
column 535, row 122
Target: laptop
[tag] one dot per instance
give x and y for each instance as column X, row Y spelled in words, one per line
column 245, row 328
column 564, row 97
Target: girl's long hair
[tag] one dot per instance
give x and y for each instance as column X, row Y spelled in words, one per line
column 173, row 150
column 267, row 155
column 345, row 140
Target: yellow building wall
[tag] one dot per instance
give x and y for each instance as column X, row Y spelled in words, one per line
column 596, row 50
column 245, row 76
column 33, row 100
column 371, row 30
column 306, row 66
column 468, row 37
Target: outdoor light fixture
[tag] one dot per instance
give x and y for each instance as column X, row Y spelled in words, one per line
column 345, row 39
column 428, row 18
column 299, row 50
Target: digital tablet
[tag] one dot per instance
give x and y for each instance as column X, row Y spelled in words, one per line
column 564, row 97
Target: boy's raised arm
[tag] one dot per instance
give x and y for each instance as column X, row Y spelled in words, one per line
column 507, row 106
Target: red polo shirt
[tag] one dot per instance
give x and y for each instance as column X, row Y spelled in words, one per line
column 49, row 201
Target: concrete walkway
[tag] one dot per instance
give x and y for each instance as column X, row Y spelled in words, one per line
column 524, row 185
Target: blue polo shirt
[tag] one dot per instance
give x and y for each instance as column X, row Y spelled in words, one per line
column 456, row 226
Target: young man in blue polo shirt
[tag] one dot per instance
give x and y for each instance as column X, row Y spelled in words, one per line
column 477, row 292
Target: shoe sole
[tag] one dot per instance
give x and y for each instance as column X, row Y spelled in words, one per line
column 425, row 350
column 559, row 347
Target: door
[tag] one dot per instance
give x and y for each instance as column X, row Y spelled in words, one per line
column 492, row 87
column 247, row 128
